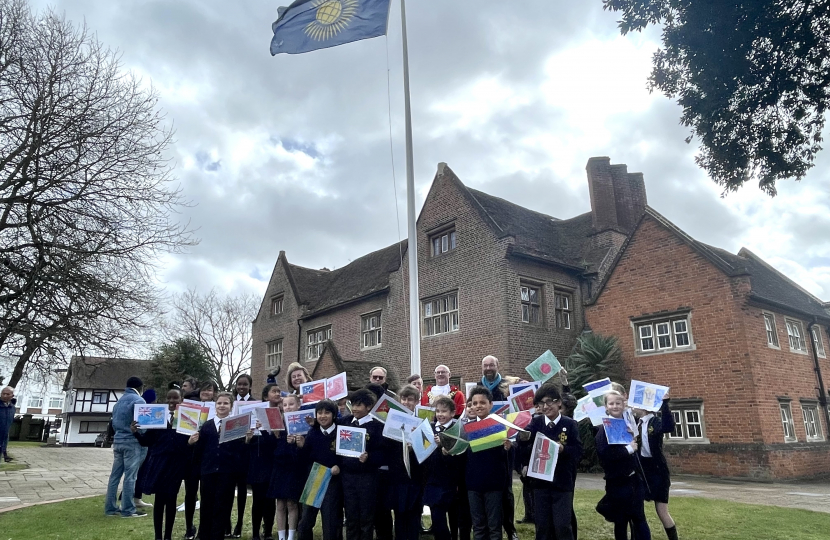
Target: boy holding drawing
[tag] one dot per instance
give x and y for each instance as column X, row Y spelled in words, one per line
column 260, row 463
column 360, row 474
column 553, row 498
column 624, row 491
column 287, row 480
column 442, row 477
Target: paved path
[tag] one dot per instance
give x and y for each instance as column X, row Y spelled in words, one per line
column 60, row 473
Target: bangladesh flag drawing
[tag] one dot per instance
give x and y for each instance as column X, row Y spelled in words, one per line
column 544, row 367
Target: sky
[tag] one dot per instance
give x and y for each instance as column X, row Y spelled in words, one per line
column 294, row 152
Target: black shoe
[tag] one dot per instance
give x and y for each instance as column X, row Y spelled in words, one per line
column 190, row 534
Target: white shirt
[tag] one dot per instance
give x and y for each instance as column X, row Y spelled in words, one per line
column 329, row 430
column 645, row 449
column 366, row 419
column 217, row 421
column 440, row 390
column 247, row 397
column 555, row 421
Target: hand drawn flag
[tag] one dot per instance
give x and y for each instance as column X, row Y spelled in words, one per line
column 616, row 431
column 543, row 458
column 522, row 401
column 316, row 486
column 336, row 387
column 423, row 441
column 519, row 419
column 544, row 367
column 485, row 433
column 308, row 25
column 351, row 441
column 453, row 440
column 313, row 391
column 386, row 404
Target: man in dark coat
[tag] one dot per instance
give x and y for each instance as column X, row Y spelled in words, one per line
column 7, row 403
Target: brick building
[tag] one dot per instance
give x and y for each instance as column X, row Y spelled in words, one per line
column 497, row 278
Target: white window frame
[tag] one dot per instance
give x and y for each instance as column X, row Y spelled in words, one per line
column 689, row 424
column 277, row 304
column 771, row 330
column 273, row 357
column 563, row 307
column 812, row 422
column 787, row 423
column 58, row 400
column 795, row 336
column 443, row 242
column 528, row 303
column 662, row 333
column 371, row 326
column 440, row 312
column 105, row 395
column 34, row 402
column 315, row 340
column 815, row 331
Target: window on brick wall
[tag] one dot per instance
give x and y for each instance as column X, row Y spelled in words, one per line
column 817, row 342
column 664, row 335
column 688, row 421
column 370, row 330
column 35, row 402
column 274, row 356
column 277, row 304
column 795, row 333
column 443, row 242
column 440, row 315
column 787, row 421
column 772, row 332
column 531, row 300
column 563, row 306
column 812, row 422
column 316, row 339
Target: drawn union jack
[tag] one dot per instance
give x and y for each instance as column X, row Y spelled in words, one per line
column 145, row 411
column 297, row 421
column 346, row 436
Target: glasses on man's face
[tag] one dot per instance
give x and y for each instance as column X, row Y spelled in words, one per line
column 548, row 402
column 377, row 377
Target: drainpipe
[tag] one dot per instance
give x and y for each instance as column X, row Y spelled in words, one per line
column 822, row 396
column 300, row 345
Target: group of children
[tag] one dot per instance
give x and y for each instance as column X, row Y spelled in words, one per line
column 468, row 494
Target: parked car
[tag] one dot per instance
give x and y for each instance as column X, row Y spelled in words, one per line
column 103, row 440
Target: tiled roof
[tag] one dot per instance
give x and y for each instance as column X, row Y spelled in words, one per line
column 104, row 373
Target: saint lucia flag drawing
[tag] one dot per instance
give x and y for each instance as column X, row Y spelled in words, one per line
column 308, row 25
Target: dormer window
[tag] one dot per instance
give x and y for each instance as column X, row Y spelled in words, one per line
column 443, row 242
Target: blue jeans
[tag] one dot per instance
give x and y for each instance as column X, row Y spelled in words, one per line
column 127, row 458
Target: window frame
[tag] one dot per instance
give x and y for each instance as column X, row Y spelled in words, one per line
column 368, row 332
column 60, row 399
column 818, row 343
column 681, row 410
column 31, row 400
column 96, row 393
column 649, row 330
column 813, row 408
column 318, row 344
column 84, row 426
column 787, row 421
column 452, row 314
column 771, row 330
column 561, row 313
column 530, row 303
column 794, row 326
column 277, row 305
column 275, row 354
column 447, row 239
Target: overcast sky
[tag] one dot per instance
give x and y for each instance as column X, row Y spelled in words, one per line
column 293, row 152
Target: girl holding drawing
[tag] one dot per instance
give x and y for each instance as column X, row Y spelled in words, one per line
column 260, row 464
column 624, row 489
column 655, row 468
column 219, row 469
column 287, row 481
column 167, row 462
column 205, row 392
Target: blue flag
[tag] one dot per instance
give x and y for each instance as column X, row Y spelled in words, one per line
column 308, row 25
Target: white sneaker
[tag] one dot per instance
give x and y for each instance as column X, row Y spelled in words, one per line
column 180, row 508
column 141, row 504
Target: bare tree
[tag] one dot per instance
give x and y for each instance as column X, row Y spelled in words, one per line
column 221, row 325
column 86, row 205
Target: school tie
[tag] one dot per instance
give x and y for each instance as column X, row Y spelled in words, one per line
column 355, row 423
column 439, row 428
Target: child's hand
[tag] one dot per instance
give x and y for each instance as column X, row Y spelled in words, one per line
column 444, row 451
column 437, row 439
column 335, row 470
column 634, row 445
column 563, row 376
column 309, row 420
column 258, row 424
column 300, row 441
column 524, row 435
column 508, row 444
column 561, row 447
column 524, row 470
column 193, row 438
column 249, row 435
column 363, row 457
column 291, row 439
column 134, row 426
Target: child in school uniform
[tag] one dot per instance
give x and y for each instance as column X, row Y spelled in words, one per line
column 553, row 500
column 219, row 470
column 655, row 469
column 206, row 391
column 624, row 489
column 242, row 391
column 487, row 475
column 383, row 516
column 167, row 462
column 260, row 462
column 318, row 446
column 287, row 480
column 441, row 475
column 360, row 474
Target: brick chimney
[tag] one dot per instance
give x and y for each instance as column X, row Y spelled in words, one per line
column 618, row 198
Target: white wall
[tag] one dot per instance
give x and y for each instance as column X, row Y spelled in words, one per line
column 72, row 429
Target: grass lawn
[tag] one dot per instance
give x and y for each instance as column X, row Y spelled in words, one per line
column 697, row 519
column 24, row 444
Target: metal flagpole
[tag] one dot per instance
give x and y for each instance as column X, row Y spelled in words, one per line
column 414, row 301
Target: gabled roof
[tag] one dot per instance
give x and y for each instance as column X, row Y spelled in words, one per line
column 320, row 290
column 104, row 373
column 357, row 372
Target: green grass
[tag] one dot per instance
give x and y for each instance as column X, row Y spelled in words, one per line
column 697, row 519
column 13, row 466
column 25, row 444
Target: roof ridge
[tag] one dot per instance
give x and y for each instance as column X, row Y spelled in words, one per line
column 330, row 272
column 502, row 199
column 745, row 252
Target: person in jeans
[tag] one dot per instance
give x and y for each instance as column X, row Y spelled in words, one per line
column 7, row 404
column 127, row 453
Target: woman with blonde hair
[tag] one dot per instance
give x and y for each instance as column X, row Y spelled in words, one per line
column 297, row 374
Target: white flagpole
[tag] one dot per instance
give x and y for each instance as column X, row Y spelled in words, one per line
column 414, row 301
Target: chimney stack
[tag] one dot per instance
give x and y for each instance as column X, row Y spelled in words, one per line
column 618, row 198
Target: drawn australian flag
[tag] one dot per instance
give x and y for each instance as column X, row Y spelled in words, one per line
column 351, row 440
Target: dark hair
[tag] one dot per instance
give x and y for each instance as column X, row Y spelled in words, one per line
column 409, row 390
column 209, row 385
column 363, row 397
column 412, row 378
column 326, row 405
column 445, row 402
column 267, row 390
column 174, row 385
column 246, row 376
column 134, row 383
column 177, row 390
column 481, row 391
column 376, row 389
column 546, row 391
column 193, row 382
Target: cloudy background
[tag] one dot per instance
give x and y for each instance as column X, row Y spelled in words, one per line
column 293, row 152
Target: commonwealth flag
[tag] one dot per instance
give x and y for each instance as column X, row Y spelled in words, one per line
column 308, row 25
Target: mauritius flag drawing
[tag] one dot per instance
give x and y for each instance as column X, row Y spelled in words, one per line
column 316, row 486
column 484, row 434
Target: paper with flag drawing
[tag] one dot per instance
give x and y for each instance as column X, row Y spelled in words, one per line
column 234, row 427
column 543, row 457
column 315, row 487
column 270, row 418
column 518, row 387
column 386, row 404
column 313, row 391
column 398, row 423
column 544, row 367
column 598, row 388
column 350, row 441
column 336, row 387
column 522, row 401
column 423, row 441
column 485, row 433
column 209, row 405
column 616, row 431
column 643, row 395
column 240, row 407
column 453, row 439
column 295, row 421
column 587, row 407
column 520, row 419
column 500, row 407
column 189, row 418
column 425, row 413
column 150, row 416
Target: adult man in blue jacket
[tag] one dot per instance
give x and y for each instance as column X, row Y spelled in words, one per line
column 127, row 455
column 7, row 403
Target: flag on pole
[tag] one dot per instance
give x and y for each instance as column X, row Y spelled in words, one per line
column 308, row 25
